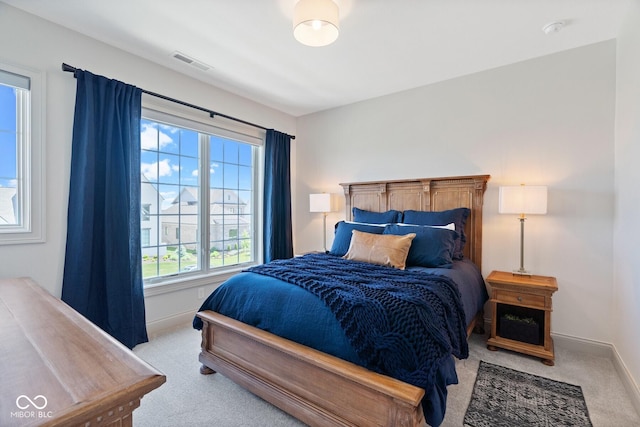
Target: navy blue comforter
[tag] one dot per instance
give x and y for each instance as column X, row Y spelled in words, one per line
column 405, row 324
column 400, row 323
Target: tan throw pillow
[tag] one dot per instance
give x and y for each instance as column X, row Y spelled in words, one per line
column 383, row 249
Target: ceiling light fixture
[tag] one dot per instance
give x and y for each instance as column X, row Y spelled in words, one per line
column 553, row 27
column 316, row 22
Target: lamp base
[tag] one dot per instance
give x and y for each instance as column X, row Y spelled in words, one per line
column 522, row 272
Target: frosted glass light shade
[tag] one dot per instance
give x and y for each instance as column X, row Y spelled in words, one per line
column 320, row 202
column 523, row 199
column 316, row 22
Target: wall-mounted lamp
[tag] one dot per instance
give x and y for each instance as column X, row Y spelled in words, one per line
column 316, row 22
column 321, row 203
column 523, row 200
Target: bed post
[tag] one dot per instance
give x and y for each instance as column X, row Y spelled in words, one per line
column 206, row 339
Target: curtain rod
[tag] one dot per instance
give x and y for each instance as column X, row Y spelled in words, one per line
column 212, row 114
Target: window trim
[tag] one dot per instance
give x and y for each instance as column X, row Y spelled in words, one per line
column 34, row 227
column 163, row 111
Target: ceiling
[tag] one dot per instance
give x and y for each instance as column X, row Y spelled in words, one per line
column 384, row 46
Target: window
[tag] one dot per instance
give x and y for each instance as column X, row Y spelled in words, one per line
column 21, row 153
column 145, row 236
column 198, row 197
column 145, row 210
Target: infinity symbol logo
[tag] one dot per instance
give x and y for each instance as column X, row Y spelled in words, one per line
column 22, row 398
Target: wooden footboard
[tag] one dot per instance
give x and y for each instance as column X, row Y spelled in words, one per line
column 316, row 388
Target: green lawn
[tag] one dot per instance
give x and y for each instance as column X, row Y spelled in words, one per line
column 167, row 267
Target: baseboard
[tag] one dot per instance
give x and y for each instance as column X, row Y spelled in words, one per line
column 595, row 348
column 607, row 350
column 165, row 324
column 629, row 384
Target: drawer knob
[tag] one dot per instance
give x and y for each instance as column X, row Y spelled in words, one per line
column 520, row 299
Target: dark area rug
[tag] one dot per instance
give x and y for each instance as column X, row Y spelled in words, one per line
column 503, row 397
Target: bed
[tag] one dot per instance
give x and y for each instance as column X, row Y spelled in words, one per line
column 330, row 387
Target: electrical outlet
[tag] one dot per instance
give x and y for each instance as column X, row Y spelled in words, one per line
column 200, row 293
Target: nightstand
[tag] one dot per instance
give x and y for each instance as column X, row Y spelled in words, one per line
column 522, row 314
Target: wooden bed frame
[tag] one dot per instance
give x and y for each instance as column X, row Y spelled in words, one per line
column 319, row 389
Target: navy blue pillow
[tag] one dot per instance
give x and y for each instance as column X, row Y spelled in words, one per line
column 432, row 247
column 388, row 217
column 458, row 216
column 342, row 237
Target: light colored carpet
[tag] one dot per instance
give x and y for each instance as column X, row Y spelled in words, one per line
column 191, row 399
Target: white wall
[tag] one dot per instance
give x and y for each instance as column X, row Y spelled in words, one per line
column 626, row 297
column 29, row 41
column 545, row 121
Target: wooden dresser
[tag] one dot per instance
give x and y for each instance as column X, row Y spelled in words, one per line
column 59, row 369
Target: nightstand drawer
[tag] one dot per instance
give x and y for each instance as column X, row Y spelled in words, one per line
column 519, row 298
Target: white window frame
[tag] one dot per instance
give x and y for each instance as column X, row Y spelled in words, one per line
column 32, row 166
column 185, row 117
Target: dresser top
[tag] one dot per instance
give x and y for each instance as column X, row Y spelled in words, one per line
column 60, row 361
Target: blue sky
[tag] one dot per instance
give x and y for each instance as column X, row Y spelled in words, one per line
column 7, row 136
column 169, row 155
column 169, row 160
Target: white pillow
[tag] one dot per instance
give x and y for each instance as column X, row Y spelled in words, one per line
column 450, row 226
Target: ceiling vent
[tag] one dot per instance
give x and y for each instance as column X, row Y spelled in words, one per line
column 188, row 60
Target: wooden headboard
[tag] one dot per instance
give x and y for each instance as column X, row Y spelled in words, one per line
column 425, row 194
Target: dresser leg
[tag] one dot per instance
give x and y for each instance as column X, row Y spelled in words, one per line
column 205, row 370
column 548, row 362
column 492, row 348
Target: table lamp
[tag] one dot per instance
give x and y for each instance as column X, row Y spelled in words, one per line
column 321, row 203
column 522, row 200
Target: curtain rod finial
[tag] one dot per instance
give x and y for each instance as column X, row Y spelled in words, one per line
column 69, row 68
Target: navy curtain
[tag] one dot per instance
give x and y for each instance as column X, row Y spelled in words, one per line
column 102, row 270
column 278, row 235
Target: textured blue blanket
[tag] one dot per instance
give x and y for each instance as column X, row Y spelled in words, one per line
column 401, row 323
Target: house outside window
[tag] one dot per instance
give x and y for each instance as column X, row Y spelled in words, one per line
column 146, row 209
column 21, row 153
column 198, row 197
column 145, row 236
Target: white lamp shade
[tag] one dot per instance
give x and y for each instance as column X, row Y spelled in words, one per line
column 523, row 199
column 316, row 22
column 320, row 202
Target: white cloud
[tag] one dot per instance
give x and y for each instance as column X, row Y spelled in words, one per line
column 150, row 138
column 195, row 172
column 153, row 170
column 171, row 129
